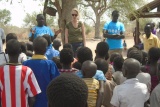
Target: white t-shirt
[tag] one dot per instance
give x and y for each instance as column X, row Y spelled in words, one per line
column 131, row 93
column 2, row 36
column 145, row 78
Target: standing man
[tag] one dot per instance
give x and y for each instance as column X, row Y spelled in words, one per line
column 2, row 39
column 41, row 29
column 114, row 33
column 149, row 39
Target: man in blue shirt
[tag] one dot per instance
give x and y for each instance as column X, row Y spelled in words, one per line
column 43, row 69
column 41, row 29
column 114, row 33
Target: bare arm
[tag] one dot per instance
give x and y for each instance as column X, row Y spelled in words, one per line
column 31, row 101
column 83, row 35
column 66, row 35
column 114, row 36
column 100, row 94
column 32, row 36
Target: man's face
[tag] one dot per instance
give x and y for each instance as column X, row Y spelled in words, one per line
column 40, row 20
column 147, row 31
column 115, row 17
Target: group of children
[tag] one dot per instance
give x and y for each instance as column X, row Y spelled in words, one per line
column 40, row 75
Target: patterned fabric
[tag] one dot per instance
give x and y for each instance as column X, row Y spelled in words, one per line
column 93, row 87
column 16, row 84
column 73, row 70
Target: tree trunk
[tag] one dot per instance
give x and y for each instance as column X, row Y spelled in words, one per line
column 65, row 17
column 97, row 27
column 44, row 14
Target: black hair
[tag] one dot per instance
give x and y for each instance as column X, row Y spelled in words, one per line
column 56, row 60
column 29, row 53
column 39, row 45
column 113, row 55
column 154, row 54
column 67, row 90
column 77, row 65
column 56, row 44
column 68, row 45
column 10, row 36
column 66, row 56
column 48, row 38
column 89, row 69
column 29, row 46
column 115, row 12
column 145, row 57
column 102, row 65
column 39, row 15
column 130, row 49
column 13, row 47
column 118, row 63
column 102, row 49
column 136, row 54
column 23, row 47
column 83, row 54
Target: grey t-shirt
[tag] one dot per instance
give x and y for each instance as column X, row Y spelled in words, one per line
column 2, row 36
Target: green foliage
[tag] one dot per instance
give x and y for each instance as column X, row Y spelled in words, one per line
column 30, row 20
column 5, row 16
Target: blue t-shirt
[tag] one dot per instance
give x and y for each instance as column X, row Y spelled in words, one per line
column 50, row 52
column 99, row 75
column 44, row 71
column 40, row 31
column 114, row 28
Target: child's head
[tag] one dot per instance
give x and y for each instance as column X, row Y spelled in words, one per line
column 10, row 36
column 77, row 65
column 67, row 90
column 89, row 69
column 39, row 45
column 153, row 54
column 102, row 65
column 29, row 46
column 118, row 63
column 13, row 48
column 56, row 60
column 114, row 55
column 145, row 57
column 66, row 56
column 67, row 45
column 48, row 38
column 84, row 54
column 135, row 54
column 56, row 44
column 124, row 41
column 130, row 49
column 131, row 67
column 23, row 47
column 102, row 49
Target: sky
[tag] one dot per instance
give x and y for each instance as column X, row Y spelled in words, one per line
column 19, row 10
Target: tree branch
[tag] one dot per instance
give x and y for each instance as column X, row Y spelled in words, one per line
column 59, row 8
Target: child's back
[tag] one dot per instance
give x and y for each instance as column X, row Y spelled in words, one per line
column 44, row 70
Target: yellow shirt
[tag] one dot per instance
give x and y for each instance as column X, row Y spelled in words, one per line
column 152, row 41
column 93, row 86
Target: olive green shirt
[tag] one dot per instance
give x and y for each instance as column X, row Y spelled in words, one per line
column 74, row 34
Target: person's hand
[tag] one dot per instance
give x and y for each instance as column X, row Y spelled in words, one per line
column 33, row 30
column 57, row 31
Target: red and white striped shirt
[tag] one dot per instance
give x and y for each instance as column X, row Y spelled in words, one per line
column 16, row 84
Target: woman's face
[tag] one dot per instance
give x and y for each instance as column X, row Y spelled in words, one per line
column 74, row 15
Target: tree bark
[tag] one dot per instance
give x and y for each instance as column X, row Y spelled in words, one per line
column 44, row 14
column 97, row 27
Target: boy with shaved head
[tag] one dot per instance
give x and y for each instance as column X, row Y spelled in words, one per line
column 131, row 93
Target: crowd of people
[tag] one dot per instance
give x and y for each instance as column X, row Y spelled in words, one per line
column 39, row 74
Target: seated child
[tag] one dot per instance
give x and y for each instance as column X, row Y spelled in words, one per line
column 29, row 52
column 117, row 75
column 67, row 90
column 56, row 44
column 155, row 95
column 131, row 93
column 50, row 52
column 22, row 56
column 95, row 95
column 66, row 58
column 108, row 85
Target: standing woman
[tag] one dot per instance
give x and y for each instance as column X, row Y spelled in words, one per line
column 75, row 32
